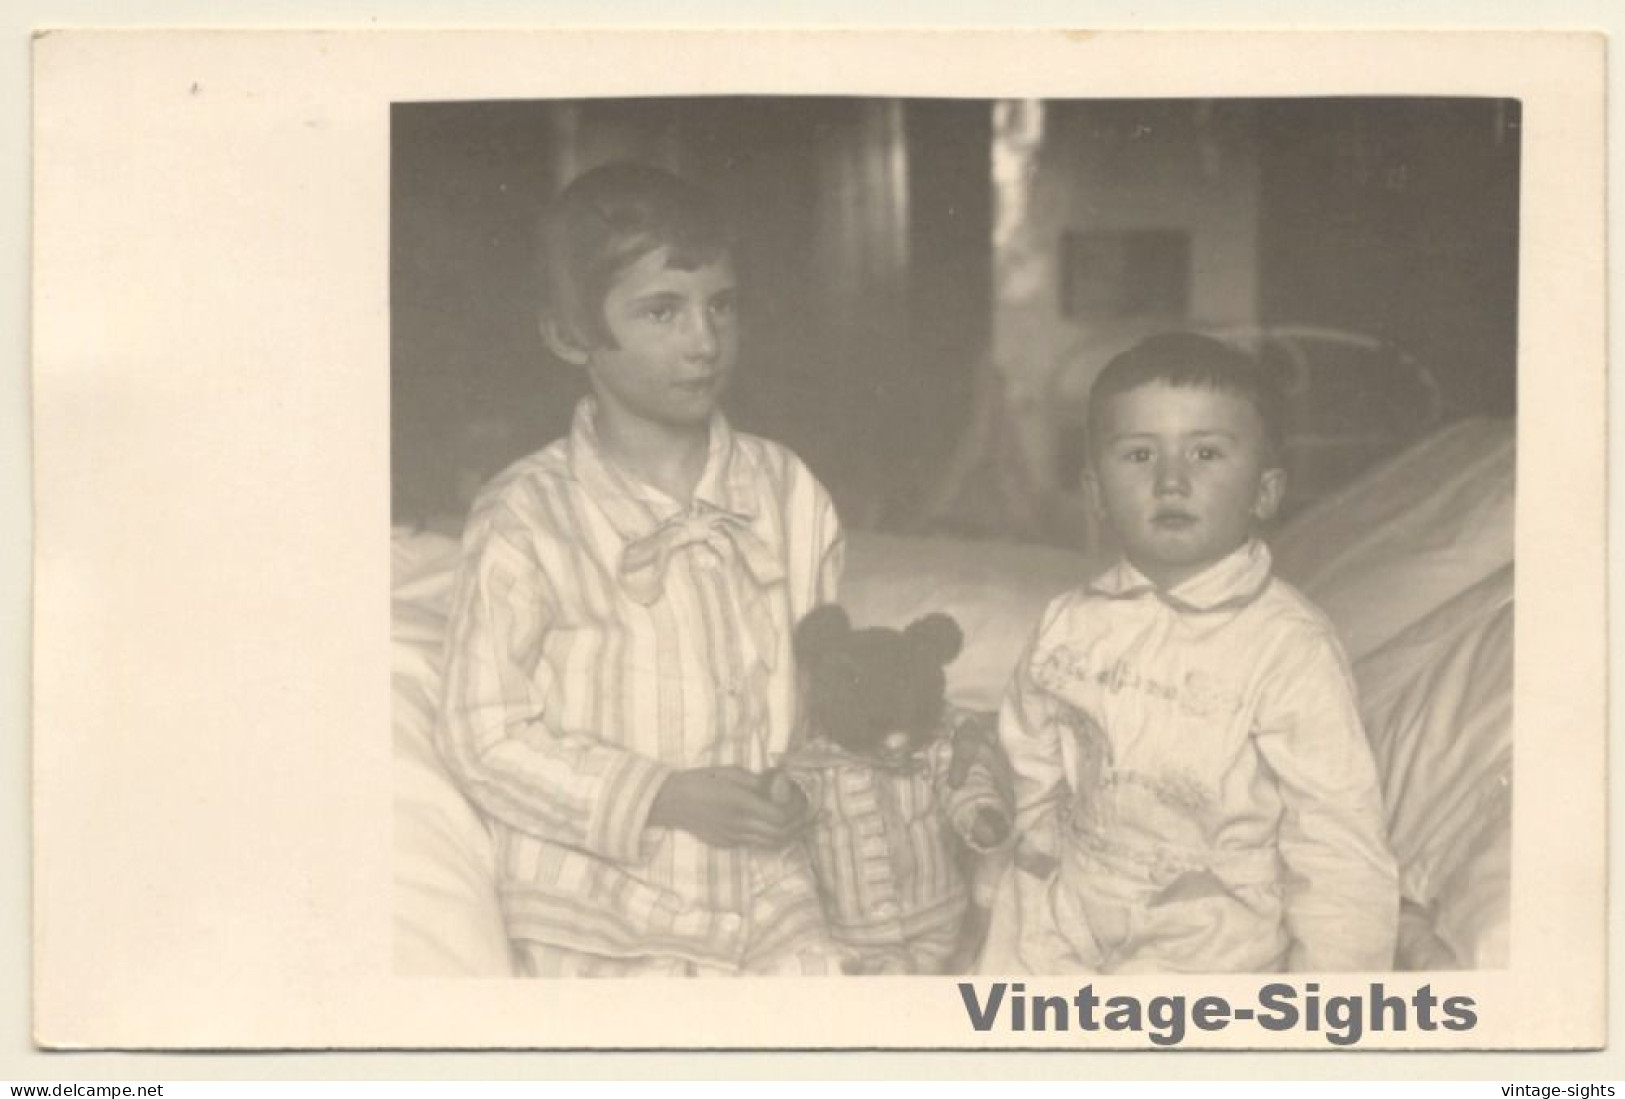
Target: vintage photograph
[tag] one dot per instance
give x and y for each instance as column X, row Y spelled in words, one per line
column 820, row 543
column 926, row 536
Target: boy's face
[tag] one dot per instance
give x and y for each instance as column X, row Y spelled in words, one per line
column 675, row 343
column 1181, row 476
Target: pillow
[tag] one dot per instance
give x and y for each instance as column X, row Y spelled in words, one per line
column 447, row 919
column 1408, row 536
column 1473, row 916
column 448, row 922
column 996, row 590
column 422, row 566
column 1437, row 705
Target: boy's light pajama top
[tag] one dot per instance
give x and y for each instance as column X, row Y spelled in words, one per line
column 604, row 635
column 1194, row 790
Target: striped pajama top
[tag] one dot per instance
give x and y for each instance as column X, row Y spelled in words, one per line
column 604, row 635
column 883, row 838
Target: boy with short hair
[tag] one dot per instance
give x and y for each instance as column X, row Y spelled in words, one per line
column 619, row 677
column 1194, row 790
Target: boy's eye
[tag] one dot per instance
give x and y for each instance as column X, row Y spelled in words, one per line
column 1137, row 454
column 660, row 314
column 1208, row 453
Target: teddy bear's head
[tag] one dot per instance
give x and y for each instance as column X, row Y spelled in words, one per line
column 876, row 692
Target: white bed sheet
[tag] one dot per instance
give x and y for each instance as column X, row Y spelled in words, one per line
column 447, row 919
column 1409, row 535
column 1437, row 703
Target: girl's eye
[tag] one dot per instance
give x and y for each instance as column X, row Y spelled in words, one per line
column 1208, row 453
column 1137, row 454
column 660, row 314
column 724, row 307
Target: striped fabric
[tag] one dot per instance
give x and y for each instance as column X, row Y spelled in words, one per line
column 884, row 847
column 602, row 636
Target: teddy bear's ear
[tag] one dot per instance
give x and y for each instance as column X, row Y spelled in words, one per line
column 823, row 628
column 937, row 636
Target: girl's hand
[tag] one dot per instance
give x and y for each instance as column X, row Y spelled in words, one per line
column 730, row 807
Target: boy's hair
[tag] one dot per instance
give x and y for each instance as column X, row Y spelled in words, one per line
column 606, row 220
column 1187, row 360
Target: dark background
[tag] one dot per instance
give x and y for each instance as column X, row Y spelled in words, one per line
column 867, row 257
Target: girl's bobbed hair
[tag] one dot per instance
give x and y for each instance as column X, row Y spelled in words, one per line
column 606, row 220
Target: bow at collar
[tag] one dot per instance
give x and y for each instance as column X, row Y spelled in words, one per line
column 725, row 533
column 728, row 535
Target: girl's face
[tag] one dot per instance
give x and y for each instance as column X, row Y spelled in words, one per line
column 1181, row 477
column 675, row 343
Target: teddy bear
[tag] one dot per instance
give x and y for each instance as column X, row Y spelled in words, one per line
column 900, row 819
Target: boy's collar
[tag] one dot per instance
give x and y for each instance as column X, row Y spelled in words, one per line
column 1231, row 582
column 634, row 508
